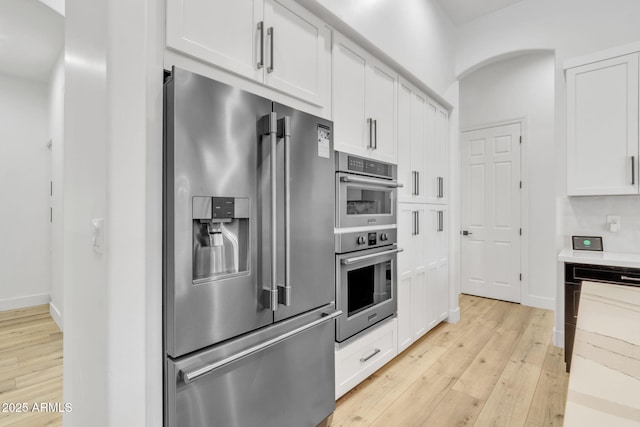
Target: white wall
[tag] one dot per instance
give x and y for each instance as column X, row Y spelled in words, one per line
column 586, row 216
column 56, row 132
column 113, row 169
column 24, row 193
column 415, row 33
column 85, row 375
column 571, row 28
column 510, row 90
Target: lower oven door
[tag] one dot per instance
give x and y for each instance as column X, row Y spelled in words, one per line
column 366, row 289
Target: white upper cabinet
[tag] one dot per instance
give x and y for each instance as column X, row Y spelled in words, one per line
column 436, row 175
column 364, row 102
column 602, row 127
column 275, row 42
column 412, row 143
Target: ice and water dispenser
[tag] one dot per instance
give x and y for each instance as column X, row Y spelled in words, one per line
column 220, row 237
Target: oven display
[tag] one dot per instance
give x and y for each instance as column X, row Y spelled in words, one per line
column 372, row 239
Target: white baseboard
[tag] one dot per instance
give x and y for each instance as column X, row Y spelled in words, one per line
column 55, row 315
column 558, row 338
column 539, row 302
column 454, row 316
column 21, row 302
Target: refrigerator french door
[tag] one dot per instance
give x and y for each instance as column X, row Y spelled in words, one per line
column 248, row 258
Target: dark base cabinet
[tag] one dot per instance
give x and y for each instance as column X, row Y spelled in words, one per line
column 574, row 274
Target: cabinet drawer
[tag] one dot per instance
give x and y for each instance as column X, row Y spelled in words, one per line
column 365, row 355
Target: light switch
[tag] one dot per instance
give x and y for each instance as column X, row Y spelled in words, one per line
column 98, row 235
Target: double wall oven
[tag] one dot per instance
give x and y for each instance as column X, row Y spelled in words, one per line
column 366, row 237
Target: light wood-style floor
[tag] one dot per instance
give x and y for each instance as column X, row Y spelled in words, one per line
column 496, row 367
column 30, row 367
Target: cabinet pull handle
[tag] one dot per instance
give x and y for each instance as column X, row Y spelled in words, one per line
column 270, row 33
column 370, row 122
column 375, row 127
column 261, row 29
column 417, row 223
column 440, row 187
column 440, row 221
column 417, row 183
column 413, row 226
column 633, row 170
column 364, row 359
column 413, row 173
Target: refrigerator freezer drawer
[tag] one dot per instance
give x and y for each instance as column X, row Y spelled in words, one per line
column 289, row 383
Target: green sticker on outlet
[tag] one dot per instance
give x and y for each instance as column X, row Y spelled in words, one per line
column 587, row 242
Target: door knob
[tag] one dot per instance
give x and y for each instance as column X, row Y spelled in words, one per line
column 466, row 233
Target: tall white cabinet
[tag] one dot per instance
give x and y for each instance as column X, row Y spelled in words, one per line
column 602, row 127
column 423, row 269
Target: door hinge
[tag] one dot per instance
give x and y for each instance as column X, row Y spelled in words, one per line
column 520, row 139
column 521, row 277
column 521, row 231
column 520, row 184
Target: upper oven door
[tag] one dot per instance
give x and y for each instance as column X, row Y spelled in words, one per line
column 364, row 201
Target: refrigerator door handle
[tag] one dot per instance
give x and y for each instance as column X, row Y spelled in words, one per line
column 190, row 376
column 270, row 127
column 284, row 291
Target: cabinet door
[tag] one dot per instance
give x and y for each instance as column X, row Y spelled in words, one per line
column 296, row 51
column 442, row 263
column 224, row 33
column 405, row 164
column 405, row 276
column 381, row 107
column 431, row 181
column 412, row 136
column 419, row 293
column 348, row 97
column 442, row 154
column 602, row 127
column 418, row 144
column 431, row 257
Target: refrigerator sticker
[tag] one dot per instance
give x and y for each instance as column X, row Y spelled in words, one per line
column 324, row 143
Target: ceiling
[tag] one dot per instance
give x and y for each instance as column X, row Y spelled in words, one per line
column 463, row 11
column 31, row 38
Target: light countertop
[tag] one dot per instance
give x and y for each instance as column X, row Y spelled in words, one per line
column 604, row 384
column 600, row 258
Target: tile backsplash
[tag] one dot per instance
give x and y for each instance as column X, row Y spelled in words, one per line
column 587, row 215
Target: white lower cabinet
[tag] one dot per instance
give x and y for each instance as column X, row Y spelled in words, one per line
column 358, row 358
column 423, row 270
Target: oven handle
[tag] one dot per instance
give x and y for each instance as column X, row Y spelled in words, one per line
column 349, row 261
column 379, row 183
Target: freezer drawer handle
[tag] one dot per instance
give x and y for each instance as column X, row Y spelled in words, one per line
column 634, row 279
column 364, row 359
column 353, row 260
column 378, row 182
column 190, row 376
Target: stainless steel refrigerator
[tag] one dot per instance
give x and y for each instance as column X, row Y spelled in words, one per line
column 248, row 259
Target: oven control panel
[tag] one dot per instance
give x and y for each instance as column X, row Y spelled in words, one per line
column 354, row 241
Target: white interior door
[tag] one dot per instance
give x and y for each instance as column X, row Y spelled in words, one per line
column 490, row 212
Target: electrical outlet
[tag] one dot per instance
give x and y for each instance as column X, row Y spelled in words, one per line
column 613, row 223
